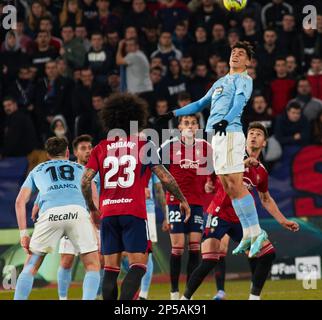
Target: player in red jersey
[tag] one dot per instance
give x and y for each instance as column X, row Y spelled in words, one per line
column 186, row 159
column 223, row 219
column 124, row 162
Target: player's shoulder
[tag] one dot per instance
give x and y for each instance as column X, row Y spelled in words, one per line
column 202, row 142
column 262, row 169
column 244, row 77
column 169, row 142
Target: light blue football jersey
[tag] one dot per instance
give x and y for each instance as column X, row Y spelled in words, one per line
column 150, row 204
column 58, row 183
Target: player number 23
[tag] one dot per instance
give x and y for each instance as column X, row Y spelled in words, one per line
column 128, row 163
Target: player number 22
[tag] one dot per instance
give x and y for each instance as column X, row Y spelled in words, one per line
column 115, row 163
column 174, row 216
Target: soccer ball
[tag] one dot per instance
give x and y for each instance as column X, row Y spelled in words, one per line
column 235, row 5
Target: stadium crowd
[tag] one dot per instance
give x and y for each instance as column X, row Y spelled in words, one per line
column 65, row 57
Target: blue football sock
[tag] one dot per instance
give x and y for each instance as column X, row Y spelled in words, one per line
column 146, row 280
column 90, row 285
column 246, row 211
column 64, row 278
column 25, row 280
column 99, row 291
column 125, row 264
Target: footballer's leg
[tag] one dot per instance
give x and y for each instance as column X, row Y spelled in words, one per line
column 260, row 267
column 220, row 269
column 26, row 277
column 146, row 280
column 194, row 239
column 111, row 272
column 177, row 249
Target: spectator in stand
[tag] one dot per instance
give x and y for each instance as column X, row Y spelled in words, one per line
column 250, row 32
column 219, row 44
column 221, row 69
column 98, row 58
column 45, row 24
column 208, row 14
column 267, row 53
column 259, row 112
column 233, row 37
column 317, row 130
column 318, row 43
column 19, row 135
column 173, row 83
column 89, row 123
column 314, row 76
column 291, row 127
column 137, row 66
column 311, row 107
column 81, row 34
column 90, row 13
column 112, row 42
column 37, row 11
column 82, row 94
column 114, row 81
column 59, row 128
column 287, row 35
column 307, row 47
column 25, row 42
column 200, row 49
column 171, row 12
column 43, row 53
column 12, row 58
column 181, row 38
column 71, row 14
column 273, row 12
column 166, row 50
column 105, row 19
column 258, row 86
column 199, row 85
column 186, row 64
column 52, row 97
column 156, row 78
column 150, row 38
column 292, row 67
column 157, row 62
column 212, row 62
column 281, row 88
column 138, row 16
column 63, row 69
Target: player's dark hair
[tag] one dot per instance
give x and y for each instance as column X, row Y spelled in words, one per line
column 56, row 147
column 195, row 115
column 81, row 138
column 259, row 126
column 120, row 109
column 246, row 46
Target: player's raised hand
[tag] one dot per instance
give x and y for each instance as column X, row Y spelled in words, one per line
column 25, row 241
column 185, row 209
column 251, row 162
column 291, row 225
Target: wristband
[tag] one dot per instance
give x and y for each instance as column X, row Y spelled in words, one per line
column 24, row 233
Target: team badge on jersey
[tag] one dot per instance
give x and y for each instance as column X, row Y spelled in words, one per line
column 218, row 90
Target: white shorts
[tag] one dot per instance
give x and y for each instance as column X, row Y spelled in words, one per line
column 228, row 152
column 152, row 227
column 72, row 221
column 66, row 246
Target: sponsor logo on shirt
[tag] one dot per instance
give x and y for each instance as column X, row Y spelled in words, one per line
column 116, row 201
column 62, row 186
column 189, row 164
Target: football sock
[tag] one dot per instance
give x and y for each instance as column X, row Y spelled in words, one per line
column 25, row 280
column 132, row 281
column 220, row 272
column 246, row 211
column 260, row 269
column 99, row 291
column 175, row 267
column 198, row 276
column 64, row 278
column 193, row 259
column 109, row 287
column 146, row 280
column 90, row 285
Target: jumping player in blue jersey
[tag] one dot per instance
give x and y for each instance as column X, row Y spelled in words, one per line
column 62, row 212
column 227, row 98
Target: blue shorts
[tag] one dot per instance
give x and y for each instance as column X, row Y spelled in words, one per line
column 124, row 233
column 217, row 228
column 194, row 224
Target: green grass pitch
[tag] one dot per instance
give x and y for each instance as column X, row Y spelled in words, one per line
column 236, row 290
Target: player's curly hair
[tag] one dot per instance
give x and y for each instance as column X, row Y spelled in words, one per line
column 120, row 109
column 246, row 46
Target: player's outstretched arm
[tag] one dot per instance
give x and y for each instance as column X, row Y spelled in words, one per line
column 21, row 201
column 270, row 205
column 160, row 198
column 171, row 185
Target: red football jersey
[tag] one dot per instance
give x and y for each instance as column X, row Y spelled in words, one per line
column 190, row 165
column 221, row 206
column 124, row 167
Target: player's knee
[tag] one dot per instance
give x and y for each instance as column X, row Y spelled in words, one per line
column 66, row 261
column 210, row 256
column 177, row 251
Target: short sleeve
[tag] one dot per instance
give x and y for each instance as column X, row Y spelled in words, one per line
column 244, row 85
column 29, row 183
column 130, row 58
column 93, row 160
